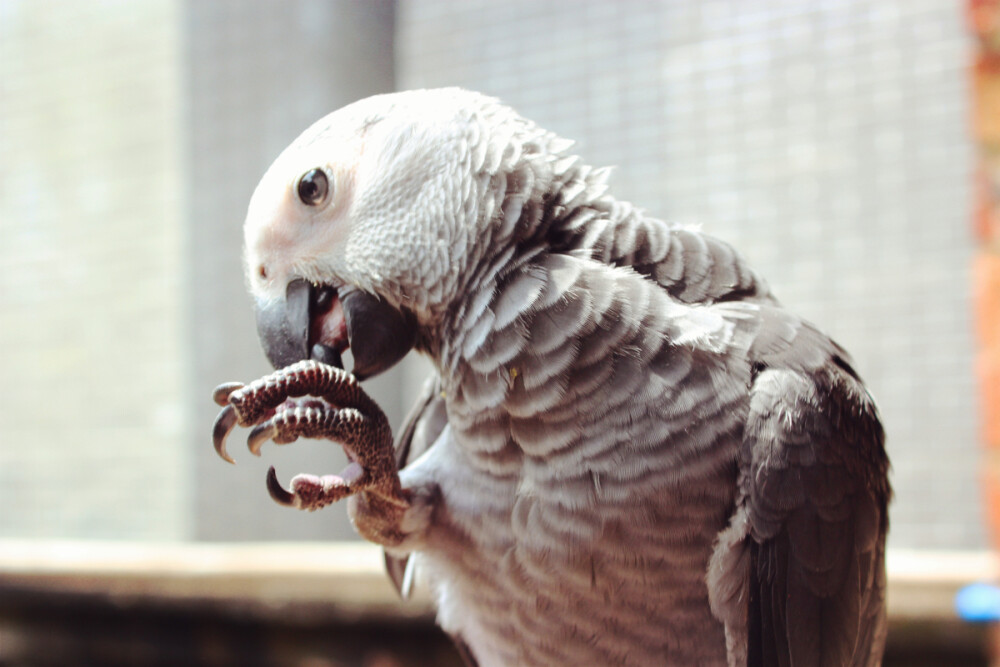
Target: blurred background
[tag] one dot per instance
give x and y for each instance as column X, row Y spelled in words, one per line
column 831, row 141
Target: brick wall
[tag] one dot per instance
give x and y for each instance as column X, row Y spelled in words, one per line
column 826, row 140
column 984, row 19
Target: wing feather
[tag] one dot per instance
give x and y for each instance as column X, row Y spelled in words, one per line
column 422, row 426
column 813, row 484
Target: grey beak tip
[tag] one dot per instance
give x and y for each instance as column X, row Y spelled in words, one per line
column 283, row 326
column 379, row 335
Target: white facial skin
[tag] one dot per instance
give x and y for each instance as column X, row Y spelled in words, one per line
column 286, row 238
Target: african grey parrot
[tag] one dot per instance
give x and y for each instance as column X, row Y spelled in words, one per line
column 629, row 453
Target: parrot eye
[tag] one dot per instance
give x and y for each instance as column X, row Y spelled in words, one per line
column 313, row 187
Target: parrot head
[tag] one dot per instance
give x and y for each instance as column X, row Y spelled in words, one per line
column 360, row 232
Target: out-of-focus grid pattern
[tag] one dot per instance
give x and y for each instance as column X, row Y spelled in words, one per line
column 131, row 138
column 90, row 256
column 257, row 73
column 826, row 140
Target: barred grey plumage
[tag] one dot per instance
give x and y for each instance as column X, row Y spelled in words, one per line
column 629, row 452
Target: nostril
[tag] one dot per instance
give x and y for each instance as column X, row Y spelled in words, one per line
column 262, row 272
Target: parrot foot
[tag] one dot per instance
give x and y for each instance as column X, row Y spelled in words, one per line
column 313, row 400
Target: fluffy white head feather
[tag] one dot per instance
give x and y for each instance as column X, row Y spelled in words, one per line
column 415, row 186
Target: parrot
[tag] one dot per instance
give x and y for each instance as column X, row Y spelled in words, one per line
column 628, row 451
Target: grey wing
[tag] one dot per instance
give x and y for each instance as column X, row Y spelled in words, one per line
column 799, row 576
column 421, row 429
column 423, row 425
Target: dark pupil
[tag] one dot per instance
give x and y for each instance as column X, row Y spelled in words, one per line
column 312, row 187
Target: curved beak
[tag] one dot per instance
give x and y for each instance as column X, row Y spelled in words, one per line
column 293, row 329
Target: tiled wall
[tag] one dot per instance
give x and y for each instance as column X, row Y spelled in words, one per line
column 827, row 140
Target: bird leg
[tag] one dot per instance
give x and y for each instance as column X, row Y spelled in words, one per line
column 313, row 400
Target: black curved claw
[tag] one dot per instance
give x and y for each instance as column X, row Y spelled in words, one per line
column 280, row 495
column 224, row 424
column 260, row 434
